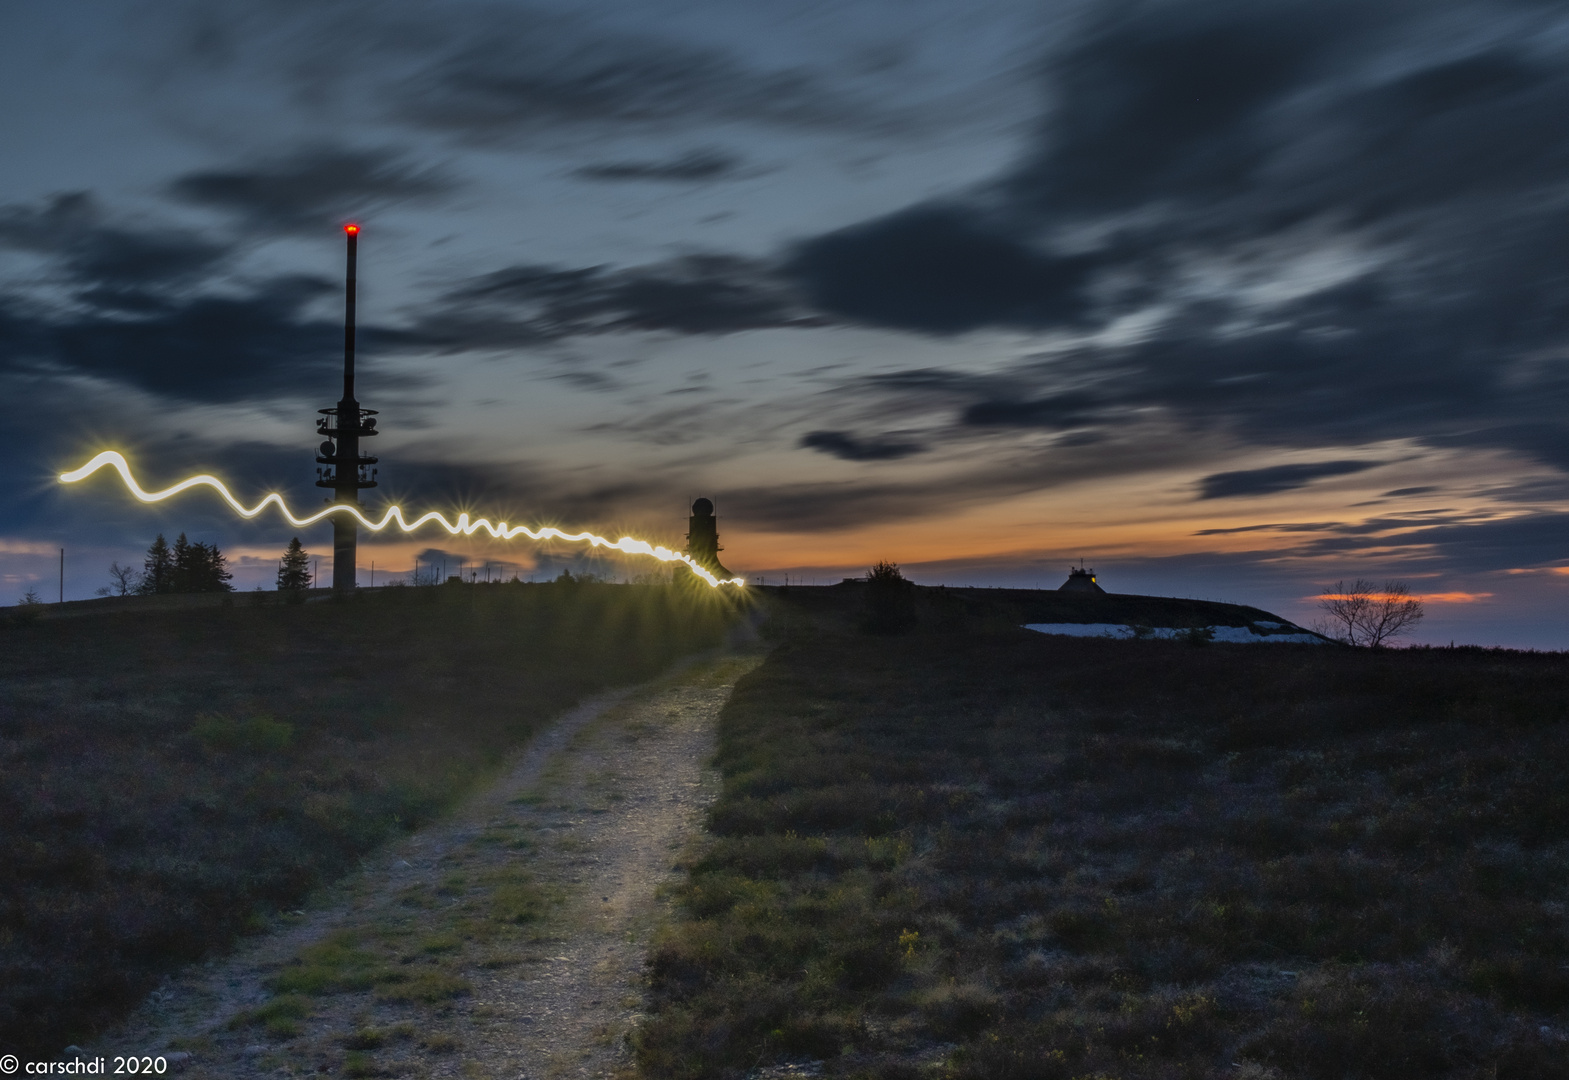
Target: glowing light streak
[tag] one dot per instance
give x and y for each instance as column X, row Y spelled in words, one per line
column 464, row 526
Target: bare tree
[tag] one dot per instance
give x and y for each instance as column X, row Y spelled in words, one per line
column 1362, row 614
column 123, row 580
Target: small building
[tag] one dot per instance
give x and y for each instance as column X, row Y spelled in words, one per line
column 1080, row 580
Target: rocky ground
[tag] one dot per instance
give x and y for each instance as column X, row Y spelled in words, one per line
column 506, row 941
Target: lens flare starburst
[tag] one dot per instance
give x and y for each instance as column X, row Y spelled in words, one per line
column 463, row 526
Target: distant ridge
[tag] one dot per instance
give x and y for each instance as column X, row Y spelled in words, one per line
column 1057, row 606
column 1049, row 606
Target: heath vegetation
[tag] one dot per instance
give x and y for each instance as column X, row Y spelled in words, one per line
column 172, row 778
column 980, row 853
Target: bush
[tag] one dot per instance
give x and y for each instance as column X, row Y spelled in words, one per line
column 890, row 600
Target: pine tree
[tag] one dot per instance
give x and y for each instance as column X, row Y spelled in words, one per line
column 158, row 568
column 186, row 570
column 199, row 568
column 215, row 570
column 180, row 554
column 294, row 572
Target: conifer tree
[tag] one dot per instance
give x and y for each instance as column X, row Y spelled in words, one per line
column 294, row 572
column 199, row 567
column 185, row 570
column 215, row 575
column 158, row 568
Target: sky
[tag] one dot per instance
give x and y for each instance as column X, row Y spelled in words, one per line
column 1233, row 299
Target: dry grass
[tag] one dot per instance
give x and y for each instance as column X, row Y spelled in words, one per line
column 1013, row 857
column 169, row 779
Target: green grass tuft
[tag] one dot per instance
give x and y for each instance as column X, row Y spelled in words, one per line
column 427, row 987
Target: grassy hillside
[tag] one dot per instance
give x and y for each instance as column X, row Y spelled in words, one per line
column 947, row 606
column 169, row 778
column 1007, row 856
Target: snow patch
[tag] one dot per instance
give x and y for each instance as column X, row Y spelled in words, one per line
column 1236, row 635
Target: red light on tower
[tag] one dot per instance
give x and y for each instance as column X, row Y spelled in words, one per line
column 351, row 229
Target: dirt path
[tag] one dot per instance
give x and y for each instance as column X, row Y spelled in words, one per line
column 506, row 941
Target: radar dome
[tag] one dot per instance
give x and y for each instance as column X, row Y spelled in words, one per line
column 702, row 508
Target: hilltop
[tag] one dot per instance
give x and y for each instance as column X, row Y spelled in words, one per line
column 942, row 605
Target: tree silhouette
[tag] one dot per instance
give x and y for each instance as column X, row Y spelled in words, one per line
column 1362, row 614
column 184, row 571
column 124, row 579
column 294, row 571
column 214, row 569
column 157, row 568
column 199, row 568
column 890, row 600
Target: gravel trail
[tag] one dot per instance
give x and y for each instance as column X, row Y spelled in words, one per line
column 506, row 940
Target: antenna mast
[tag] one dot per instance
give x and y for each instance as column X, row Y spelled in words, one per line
column 346, row 471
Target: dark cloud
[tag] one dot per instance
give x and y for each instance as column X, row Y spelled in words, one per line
column 695, row 294
column 1255, row 115
column 1457, row 545
column 145, row 324
column 1285, row 527
column 848, row 447
column 1534, row 489
column 206, row 348
column 505, row 84
column 313, row 189
column 142, row 306
column 1275, row 478
column 487, row 73
column 938, row 269
column 125, row 305
column 1199, row 164
column 1162, row 101
column 117, row 264
column 1530, row 540
column 1398, row 492
column 1059, row 411
column 694, row 167
column 812, row 508
column 886, row 495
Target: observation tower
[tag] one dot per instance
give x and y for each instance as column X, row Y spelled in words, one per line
column 343, row 468
column 702, row 538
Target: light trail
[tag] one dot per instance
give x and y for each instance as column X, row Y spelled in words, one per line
column 501, row 531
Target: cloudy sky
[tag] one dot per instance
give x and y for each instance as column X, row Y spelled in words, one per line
column 1230, row 298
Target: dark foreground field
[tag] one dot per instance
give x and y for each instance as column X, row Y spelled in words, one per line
column 169, row 779
column 1014, row 857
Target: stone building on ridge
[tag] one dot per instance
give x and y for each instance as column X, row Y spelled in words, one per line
column 1080, row 580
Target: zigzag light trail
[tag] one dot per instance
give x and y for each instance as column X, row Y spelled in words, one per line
column 501, row 531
